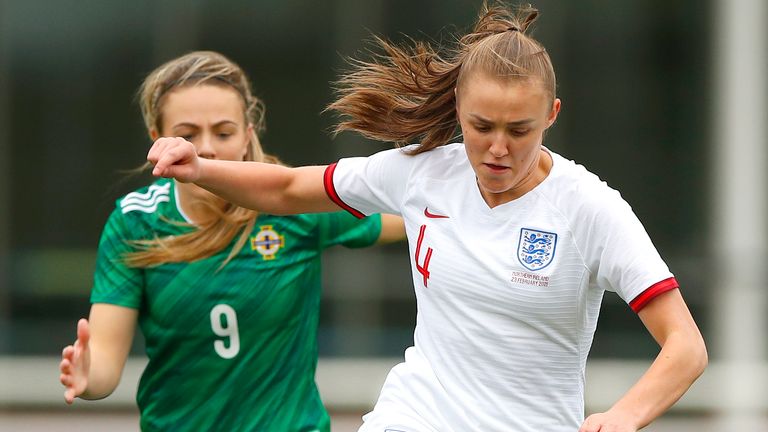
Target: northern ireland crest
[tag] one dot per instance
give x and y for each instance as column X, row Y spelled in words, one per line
column 267, row 242
column 536, row 249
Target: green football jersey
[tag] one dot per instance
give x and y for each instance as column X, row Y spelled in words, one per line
column 231, row 349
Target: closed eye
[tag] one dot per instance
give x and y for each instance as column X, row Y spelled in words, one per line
column 519, row 132
column 482, row 128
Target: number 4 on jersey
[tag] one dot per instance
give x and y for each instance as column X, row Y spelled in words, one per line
column 424, row 270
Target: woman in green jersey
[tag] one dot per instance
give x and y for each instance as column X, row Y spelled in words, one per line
column 227, row 299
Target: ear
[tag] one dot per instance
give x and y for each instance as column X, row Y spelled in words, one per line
column 154, row 134
column 554, row 112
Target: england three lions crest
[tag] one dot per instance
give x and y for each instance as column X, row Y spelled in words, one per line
column 536, row 249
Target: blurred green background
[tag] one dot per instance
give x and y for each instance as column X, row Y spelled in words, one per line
column 633, row 76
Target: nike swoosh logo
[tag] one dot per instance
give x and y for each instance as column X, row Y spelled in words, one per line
column 432, row 215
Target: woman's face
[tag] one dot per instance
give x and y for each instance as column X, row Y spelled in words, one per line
column 209, row 116
column 503, row 124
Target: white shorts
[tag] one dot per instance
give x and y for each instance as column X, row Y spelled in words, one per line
column 383, row 420
column 407, row 402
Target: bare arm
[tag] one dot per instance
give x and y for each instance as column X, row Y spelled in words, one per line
column 265, row 187
column 392, row 229
column 91, row 368
column 680, row 362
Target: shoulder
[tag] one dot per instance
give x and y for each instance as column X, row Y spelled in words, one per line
column 146, row 200
column 579, row 193
column 439, row 156
column 145, row 209
column 396, row 166
column 441, row 162
column 453, row 153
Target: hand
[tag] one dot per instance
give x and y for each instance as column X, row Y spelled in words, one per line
column 608, row 422
column 76, row 363
column 175, row 157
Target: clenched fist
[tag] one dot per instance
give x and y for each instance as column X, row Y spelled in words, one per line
column 174, row 158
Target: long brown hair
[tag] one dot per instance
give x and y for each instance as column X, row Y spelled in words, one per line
column 407, row 94
column 210, row 237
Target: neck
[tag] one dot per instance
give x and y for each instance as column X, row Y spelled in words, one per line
column 196, row 203
column 530, row 180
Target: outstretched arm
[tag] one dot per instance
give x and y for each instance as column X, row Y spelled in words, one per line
column 264, row 187
column 682, row 359
column 91, row 367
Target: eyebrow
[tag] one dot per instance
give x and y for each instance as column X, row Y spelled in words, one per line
column 518, row 123
column 195, row 126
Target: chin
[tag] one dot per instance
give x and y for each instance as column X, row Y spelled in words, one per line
column 495, row 186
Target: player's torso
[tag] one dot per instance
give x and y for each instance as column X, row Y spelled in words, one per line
column 501, row 295
column 237, row 334
column 270, row 278
column 518, row 260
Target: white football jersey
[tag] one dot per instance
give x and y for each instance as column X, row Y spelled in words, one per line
column 508, row 297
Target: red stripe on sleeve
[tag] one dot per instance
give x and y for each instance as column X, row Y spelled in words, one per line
column 330, row 189
column 651, row 293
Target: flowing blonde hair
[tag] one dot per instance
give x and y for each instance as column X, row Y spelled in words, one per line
column 407, row 94
column 210, row 237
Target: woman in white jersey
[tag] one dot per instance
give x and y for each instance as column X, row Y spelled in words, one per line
column 512, row 246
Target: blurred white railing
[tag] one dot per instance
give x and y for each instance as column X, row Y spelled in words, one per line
column 353, row 384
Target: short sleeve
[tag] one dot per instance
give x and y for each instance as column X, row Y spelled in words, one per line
column 622, row 256
column 114, row 282
column 367, row 185
column 341, row 228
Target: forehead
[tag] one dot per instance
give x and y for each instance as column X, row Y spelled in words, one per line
column 200, row 101
column 494, row 97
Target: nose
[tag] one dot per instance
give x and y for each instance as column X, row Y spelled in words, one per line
column 498, row 146
column 205, row 147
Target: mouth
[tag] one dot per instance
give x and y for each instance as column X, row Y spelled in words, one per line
column 496, row 168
